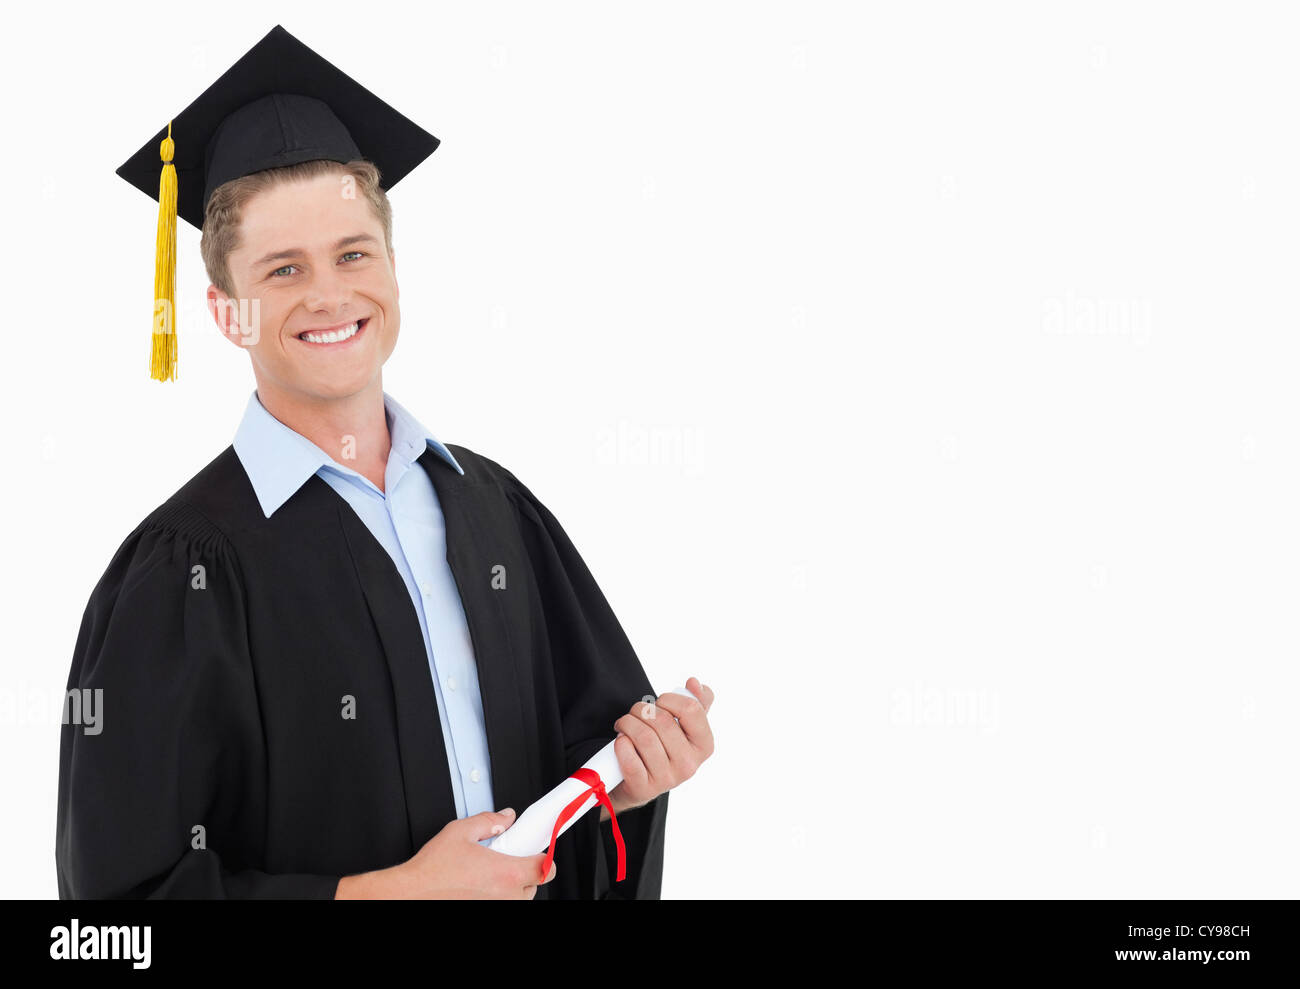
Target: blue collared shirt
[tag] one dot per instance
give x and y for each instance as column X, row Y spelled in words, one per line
column 407, row 520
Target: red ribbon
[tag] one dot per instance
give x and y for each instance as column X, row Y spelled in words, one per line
column 597, row 786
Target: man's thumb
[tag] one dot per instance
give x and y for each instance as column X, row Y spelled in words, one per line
column 490, row 823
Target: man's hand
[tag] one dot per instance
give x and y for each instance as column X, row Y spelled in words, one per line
column 452, row 865
column 660, row 745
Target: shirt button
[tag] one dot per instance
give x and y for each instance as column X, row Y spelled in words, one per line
column 451, row 683
column 424, row 586
column 474, row 776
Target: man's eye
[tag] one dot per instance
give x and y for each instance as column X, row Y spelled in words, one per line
column 276, row 273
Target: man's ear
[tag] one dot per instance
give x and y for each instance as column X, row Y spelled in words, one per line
column 392, row 257
column 225, row 313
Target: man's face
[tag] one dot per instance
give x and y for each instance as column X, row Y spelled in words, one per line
column 311, row 261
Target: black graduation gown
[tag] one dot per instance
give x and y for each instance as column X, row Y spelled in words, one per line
column 222, row 704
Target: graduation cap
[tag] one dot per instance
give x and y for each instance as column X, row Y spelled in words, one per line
column 280, row 104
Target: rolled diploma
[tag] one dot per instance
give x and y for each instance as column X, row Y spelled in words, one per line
column 531, row 832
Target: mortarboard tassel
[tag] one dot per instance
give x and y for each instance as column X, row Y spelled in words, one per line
column 162, row 365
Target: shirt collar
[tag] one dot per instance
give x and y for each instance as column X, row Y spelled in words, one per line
column 279, row 461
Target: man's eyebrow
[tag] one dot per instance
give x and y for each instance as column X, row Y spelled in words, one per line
column 297, row 252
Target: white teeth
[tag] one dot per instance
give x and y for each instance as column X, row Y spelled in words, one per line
column 334, row 336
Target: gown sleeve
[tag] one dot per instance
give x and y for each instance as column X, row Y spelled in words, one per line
column 598, row 678
column 178, row 744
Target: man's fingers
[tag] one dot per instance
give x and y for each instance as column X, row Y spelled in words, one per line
column 701, row 691
column 634, row 771
column 531, row 869
column 692, row 722
column 666, row 723
column 489, row 823
column 703, row 694
column 646, row 741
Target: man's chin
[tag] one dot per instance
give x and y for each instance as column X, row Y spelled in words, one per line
column 338, row 387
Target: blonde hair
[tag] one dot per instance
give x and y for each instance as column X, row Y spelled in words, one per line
column 224, row 213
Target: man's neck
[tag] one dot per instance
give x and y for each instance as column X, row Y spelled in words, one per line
column 352, row 430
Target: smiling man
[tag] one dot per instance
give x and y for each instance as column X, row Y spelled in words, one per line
column 336, row 660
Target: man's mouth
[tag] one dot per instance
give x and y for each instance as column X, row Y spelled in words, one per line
column 334, row 335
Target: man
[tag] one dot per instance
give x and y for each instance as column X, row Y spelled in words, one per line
column 333, row 653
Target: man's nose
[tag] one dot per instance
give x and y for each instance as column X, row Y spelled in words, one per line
column 327, row 289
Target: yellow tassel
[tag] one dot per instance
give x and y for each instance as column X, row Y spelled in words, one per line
column 162, row 365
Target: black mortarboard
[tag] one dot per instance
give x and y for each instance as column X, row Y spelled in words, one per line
column 280, row 104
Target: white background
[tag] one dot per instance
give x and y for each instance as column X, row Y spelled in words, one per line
column 922, row 377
